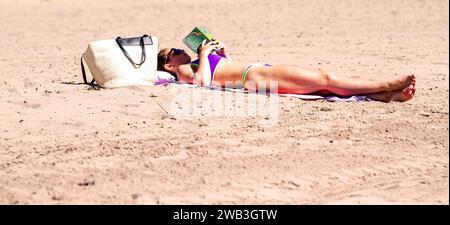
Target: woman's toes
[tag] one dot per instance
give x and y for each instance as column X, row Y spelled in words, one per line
column 406, row 90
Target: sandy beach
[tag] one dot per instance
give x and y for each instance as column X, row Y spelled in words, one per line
column 64, row 143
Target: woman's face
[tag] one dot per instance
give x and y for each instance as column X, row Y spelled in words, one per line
column 176, row 56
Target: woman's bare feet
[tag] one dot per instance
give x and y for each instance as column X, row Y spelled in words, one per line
column 398, row 96
column 402, row 83
column 405, row 94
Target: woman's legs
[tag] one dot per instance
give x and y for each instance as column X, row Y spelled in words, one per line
column 348, row 87
column 292, row 79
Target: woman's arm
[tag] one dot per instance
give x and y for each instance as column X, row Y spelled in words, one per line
column 200, row 76
column 203, row 74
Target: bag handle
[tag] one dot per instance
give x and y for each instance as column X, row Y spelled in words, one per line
column 84, row 73
column 143, row 56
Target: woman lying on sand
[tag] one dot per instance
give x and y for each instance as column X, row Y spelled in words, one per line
column 218, row 68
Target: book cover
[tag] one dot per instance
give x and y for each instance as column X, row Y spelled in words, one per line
column 195, row 38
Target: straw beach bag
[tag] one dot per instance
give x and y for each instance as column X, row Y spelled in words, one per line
column 121, row 62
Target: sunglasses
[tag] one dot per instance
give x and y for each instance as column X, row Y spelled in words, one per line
column 173, row 51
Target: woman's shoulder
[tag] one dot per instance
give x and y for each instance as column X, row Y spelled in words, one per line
column 185, row 73
column 186, row 68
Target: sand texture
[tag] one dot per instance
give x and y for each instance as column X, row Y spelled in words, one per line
column 63, row 143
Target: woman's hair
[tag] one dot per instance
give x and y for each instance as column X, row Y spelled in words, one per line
column 162, row 59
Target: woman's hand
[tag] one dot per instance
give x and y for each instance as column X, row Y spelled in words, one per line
column 207, row 48
column 221, row 49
